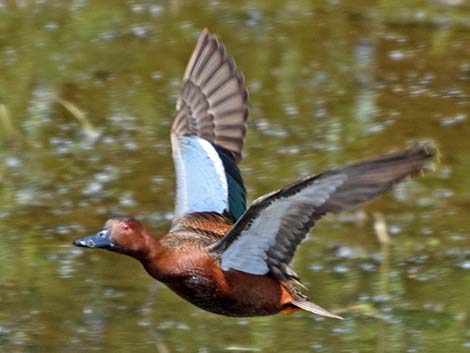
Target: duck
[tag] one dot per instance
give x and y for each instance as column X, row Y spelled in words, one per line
column 219, row 254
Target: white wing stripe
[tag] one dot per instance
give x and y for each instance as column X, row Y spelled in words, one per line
column 200, row 176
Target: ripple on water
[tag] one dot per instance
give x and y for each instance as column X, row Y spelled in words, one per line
column 454, row 120
column 92, row 188
column 397, row 55
column 13, row 162
column 341, row 269
column 465, row 265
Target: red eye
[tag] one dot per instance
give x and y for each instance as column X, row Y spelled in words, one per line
column 125, row 227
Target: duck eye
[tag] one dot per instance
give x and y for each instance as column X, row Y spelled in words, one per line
column 102, row 234
column 125, row 227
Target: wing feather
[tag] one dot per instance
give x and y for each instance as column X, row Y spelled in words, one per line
column 266, row 237
column 212, row 91
column 208, row 132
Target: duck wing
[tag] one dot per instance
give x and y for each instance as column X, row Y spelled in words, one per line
column 266, row 237
column 208, row 132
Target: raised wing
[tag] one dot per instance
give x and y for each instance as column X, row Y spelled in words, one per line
column 266, row 237
column 208, row 132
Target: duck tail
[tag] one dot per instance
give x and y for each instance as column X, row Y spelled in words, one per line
column 313, row 308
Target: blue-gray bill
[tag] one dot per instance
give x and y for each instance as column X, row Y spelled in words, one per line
column 99, row 240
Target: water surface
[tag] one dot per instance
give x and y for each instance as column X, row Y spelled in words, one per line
column 330, row 82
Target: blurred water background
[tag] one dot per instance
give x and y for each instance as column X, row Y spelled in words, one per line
column 87, row 93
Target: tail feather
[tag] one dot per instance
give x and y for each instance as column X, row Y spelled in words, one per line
column 313, row 308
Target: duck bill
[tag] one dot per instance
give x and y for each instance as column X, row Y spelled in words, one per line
column 101, row 240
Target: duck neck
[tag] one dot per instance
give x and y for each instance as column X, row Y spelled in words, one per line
column 150, row 258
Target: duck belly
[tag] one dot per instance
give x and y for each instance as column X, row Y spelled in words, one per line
column 231, row 293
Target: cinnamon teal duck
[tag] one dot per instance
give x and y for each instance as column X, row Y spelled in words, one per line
column 220, row 255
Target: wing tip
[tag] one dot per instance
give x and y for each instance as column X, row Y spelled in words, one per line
column 421, row 157
column 238, row 117
column 429, row 150
column 423, row 151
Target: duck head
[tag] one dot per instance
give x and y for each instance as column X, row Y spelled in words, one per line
column 122, row 235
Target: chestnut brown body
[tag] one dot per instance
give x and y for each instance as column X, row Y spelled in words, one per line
column 220, row 255
column 195, row 275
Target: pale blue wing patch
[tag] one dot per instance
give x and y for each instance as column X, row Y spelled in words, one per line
column 201, row 183
column 275, row 227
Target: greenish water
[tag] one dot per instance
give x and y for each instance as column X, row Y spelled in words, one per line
column 330, row 82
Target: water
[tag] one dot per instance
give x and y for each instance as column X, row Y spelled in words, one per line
column 330, row 82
